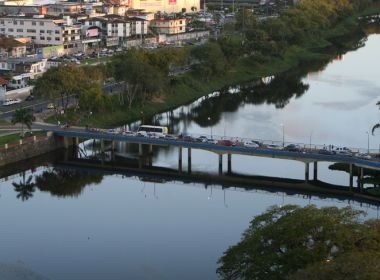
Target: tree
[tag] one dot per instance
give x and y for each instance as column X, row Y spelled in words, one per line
column 283, row 241
column 376, row 126
column 61, row 82
column 23, row 116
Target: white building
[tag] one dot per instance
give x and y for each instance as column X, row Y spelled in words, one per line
column 43, row 30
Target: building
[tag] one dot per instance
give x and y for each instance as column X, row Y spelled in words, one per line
column 43, row 30
column 166, row 6
column 168, row 25
column 9, row 47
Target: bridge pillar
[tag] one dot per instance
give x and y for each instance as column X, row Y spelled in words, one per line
column 150, row 149
column 113, row 150
column 229, row 164
column 102, row 146
column 361, row 177
column 220, row 164
column 189, row 160
column 150, row 160
column 315, row 173
column 306, row 172
column 76, row 141
column 65, row 142
column 351, row 177
column 140, row 150
column 180, row 159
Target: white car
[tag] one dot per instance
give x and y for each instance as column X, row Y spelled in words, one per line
column 251, row 144
column 212, row 141
column 342, row 151
column 363, row 156
column 274, row 147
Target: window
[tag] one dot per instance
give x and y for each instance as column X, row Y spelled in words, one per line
column 57, row 32
column 42, row 37
column 180, row 22
column 33, row 23
column 48, row 38
column 57, row 39
column 10, row 29
column 48, row 31
column 42, row 31
column 33, row 37
column 20, row 30
column 21, row 22
column 1, row 21
column 15, row 22
column 42, row 23
column 31, row 30
column 2, row 29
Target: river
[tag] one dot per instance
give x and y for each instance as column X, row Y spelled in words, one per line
column 62, row 224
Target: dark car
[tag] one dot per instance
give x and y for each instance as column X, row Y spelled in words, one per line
column 187, row 138
column 293, row 148
column 29, row 98
column 325, row 152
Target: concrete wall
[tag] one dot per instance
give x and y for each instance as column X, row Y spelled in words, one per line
column 28, row 150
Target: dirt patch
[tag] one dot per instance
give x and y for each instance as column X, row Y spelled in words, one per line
column 158, row 99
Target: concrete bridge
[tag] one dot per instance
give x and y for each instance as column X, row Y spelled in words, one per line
column 72, row 136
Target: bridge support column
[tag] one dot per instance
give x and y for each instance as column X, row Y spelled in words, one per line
column 113, row 150
column 189, row 160
column 76, row 141
column 102, row 146
column 306, row 172
column 140, row 150
column 315, row 173
column 229, row 163
column 351, row 177
column 65, row 142
column 150, row 149
column 359, row 177
column 180, row 159
column 220, row 164
column 150, row 160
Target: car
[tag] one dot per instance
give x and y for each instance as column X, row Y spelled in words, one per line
column 325, row 152
column 129, row 133
column 226, row 142
column 169, row 137
column 342, row 151
column 292, row 148
column 29, row 98
column 274, row 147
column 112, row 131
column 188, row 138
column 50, row 106
column 251, row 144
column 212, row 141
column 202, row 139
column 363, row 156
column 142, row 133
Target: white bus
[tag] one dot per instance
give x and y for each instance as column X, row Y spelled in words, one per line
column 155, row 131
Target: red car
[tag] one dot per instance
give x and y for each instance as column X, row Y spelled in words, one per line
column 227, row 143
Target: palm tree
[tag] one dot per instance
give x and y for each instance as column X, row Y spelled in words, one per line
column 23, row 116
column 376, row 126
column 25, row 189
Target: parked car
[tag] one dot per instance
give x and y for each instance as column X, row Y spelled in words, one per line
column 251, row 144
column 188, row 138
column 50, row 106
column 169, row 137
column 292, row 148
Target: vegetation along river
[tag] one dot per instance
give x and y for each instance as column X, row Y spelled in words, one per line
column 83, row 224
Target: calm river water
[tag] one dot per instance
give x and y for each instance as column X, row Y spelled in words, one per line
column 67, row 225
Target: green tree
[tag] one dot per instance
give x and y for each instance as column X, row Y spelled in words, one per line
column 24, row 116
column 61, row 82
column 286, row 240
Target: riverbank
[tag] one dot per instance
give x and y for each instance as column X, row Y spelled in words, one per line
column 187, row 87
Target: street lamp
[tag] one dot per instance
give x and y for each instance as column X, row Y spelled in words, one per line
column 367, row 142
column 209, row 119
column 283, row 135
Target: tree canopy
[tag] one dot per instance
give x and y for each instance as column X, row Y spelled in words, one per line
column 291, row 242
